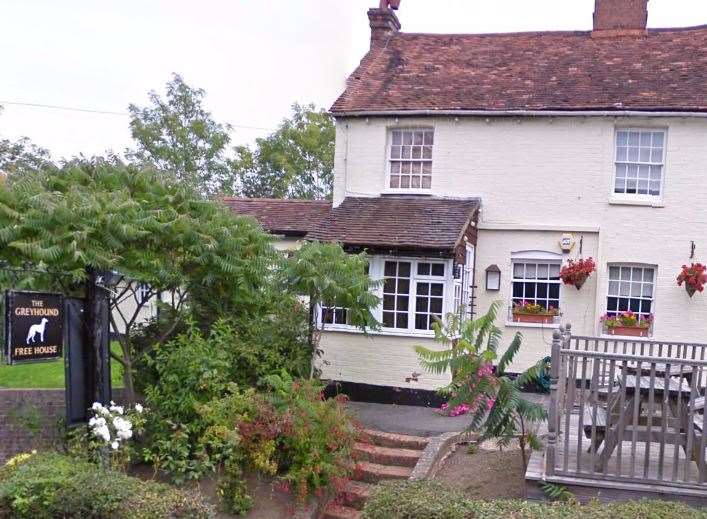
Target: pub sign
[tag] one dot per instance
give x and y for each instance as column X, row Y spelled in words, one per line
column 34, row 326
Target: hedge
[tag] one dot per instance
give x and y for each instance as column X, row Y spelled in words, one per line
column 433, row 500
column 49, row 485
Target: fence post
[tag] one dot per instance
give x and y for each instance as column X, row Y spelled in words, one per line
column 557, row 337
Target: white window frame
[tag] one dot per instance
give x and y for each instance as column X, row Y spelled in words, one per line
column 631, row 282
column 639, row 197
column 389, row 161
column 377, row 270
column 533, row 257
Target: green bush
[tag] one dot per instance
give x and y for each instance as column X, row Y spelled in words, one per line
column 433, row 500
column 47, row 486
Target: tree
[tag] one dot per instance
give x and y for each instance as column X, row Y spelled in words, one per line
column 89, row 218
column 494, row 398
column 22, row 156
column 178, row 137
column 297, row 161
column 330, row 278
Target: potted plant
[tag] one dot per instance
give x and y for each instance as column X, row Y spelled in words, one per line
column 694, row 278
column 628, row 324
column 527, row 312
column 576, row 272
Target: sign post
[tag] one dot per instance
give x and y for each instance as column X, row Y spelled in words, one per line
column 34, row 323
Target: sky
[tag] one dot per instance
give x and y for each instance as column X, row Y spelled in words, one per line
column 254, row 58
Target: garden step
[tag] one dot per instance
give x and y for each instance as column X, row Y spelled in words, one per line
column 334, row 511
column 373, row 472
column 384, row 439
column 355, row 494
column 386, row 455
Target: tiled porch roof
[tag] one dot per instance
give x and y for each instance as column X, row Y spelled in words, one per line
column 398, row 222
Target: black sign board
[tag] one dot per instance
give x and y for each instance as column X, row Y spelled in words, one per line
column 34, row 324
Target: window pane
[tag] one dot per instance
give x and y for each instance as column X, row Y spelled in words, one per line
column 390, row 268
column 397, row 137
column 423, row 269
column 404, row 269
column 421, row 322
column 436, row 305
column 518, row 270
column 403, row 286
column 402, row 320
column 394, row 181
column 389, row 286
column 438, row 269
column 423, row 289
column 436, row 289
column 614, row 272
column 403, row 302
column 388, row 302
column 426, row 182
column 622, row 138
column 389, row 319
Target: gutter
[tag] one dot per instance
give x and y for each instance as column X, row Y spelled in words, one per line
column 518, row 113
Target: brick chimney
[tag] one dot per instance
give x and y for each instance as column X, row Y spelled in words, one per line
column 383, row 21
column 620, row 17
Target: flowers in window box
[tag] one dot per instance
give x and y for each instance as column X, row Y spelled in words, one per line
column 529, row 312
column 577, row 272
column 694, row 278
column 628, row 324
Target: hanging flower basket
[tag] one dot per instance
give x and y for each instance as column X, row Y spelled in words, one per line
column 526, row 312
column 694, row 278
column 577, row 272
column 627, row 324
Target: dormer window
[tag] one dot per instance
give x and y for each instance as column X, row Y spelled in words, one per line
column 410, row 158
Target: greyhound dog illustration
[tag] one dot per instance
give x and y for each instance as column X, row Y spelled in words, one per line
column 37, row 329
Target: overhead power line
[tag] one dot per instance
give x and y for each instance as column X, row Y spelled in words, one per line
column 107, row 112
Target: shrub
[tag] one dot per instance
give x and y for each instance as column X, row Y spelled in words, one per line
column 433, row 500
column 46, row 486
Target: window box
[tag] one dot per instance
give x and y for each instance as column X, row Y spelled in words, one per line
column 628, row 331
column 533, row 318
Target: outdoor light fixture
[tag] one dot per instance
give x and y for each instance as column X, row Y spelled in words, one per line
column 493, row 277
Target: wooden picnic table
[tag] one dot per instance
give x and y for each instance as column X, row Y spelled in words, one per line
column 632, row 395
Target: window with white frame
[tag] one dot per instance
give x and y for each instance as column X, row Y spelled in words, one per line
column 630, row 289
column 144, row 293
column 413, row 294
column 334, row 315
column 537, row 282
column 410, row 158
column 640, row 157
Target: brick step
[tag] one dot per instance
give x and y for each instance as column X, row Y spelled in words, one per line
column 335, row 511
column 400, row 441
column 374, row 472
column 386, row 455
column 355, row 494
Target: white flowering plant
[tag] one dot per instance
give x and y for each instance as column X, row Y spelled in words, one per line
column 110, row 429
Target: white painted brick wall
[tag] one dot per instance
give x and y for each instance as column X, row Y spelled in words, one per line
column 547, row 173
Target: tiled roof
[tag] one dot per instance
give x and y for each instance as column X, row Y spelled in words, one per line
column 663, row 70
column 281, row 216
column 403, row 222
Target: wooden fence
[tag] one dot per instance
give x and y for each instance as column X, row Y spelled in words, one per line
column 627, row 410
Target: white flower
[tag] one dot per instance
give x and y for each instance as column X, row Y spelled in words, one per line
column 92, row 422
column 96, row 406
column 125, row 435
column 116, row 409
column 121, row 424
column 102, row 431
column 115, row 445
column 139, row 408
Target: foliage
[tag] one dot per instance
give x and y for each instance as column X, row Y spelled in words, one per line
column 300, row 435
column 499, row 410
column 191, row 371
column 694, row 277
column 46, row 486
column 296, row 161
column 558, row 492
column 576, row 272
column 99, row 216
column 22, row 157
column 179, row 138
column 109, row 430
column 429, row 499
column 627, row 319
column 330, row 277
column 527, row 307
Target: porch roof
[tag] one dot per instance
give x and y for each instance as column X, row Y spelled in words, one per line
column 399, row 222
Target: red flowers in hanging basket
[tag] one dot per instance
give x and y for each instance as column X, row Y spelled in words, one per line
column 576, row 272
column 694, row 278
